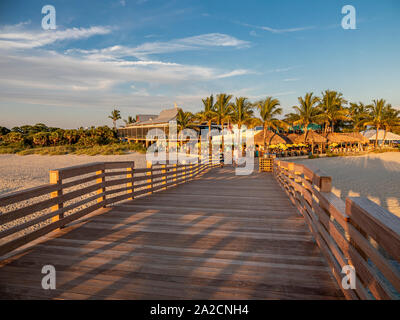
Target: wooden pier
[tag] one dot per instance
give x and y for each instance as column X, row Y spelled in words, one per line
column 187, row 232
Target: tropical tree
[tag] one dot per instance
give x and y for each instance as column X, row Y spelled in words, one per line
column 269, row 109
column 242, row 112
column 115, row 116
column 223, row 110
column 56, row 136
column 208, row 115
column 307, row 111
column 391, row 118
column 41, row 138
column 4, row 131
column 71, row 136
column 130, row 120
column 13, row 137
column 331, row 109
column 376, row 116
column 185, row 120
column 358, row 113
column 290, row 118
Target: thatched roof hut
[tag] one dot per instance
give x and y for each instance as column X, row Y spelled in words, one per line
column 311, row 137
column 272, row 138
column 357, row 136
column 338, row 138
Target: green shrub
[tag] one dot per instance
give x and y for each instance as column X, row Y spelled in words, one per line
column 313, row 156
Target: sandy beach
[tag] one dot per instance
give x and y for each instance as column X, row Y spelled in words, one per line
column 374, row 176
column 22, row 172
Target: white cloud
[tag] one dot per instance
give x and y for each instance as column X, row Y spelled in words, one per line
column 200, row 42
column 15, row 38
column 275, row 30
column 103, row 77
column 291, row 79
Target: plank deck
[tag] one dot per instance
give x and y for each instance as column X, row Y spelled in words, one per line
column 220, row 236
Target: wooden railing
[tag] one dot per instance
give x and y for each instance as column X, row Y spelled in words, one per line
column 357, row 232
column 74, row 192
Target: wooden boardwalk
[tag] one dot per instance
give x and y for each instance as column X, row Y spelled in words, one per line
column 220, row 236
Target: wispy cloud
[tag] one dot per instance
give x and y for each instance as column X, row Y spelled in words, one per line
column 275, row 30
column 291, row 79
column 199, row 42
column 13, row 37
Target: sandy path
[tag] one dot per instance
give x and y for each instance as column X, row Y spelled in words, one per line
column 374, row 176
column 21, row 172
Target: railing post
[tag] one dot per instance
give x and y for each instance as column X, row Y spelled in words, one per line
column 149, row 165
column 55, row 179
column 174, row 169
column 325, row 184
column 164, row 178
column 101, row 180
column 130, row 185
column 184, row 173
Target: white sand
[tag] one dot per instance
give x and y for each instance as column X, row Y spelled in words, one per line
column 374, row 176
column 21, row 172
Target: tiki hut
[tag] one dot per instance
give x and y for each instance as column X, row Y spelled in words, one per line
column 311, row 137
column 272, row 138
column 358, row 137
column 338, row 138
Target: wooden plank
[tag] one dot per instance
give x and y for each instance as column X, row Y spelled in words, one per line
column 380, row 224
column 22, row 195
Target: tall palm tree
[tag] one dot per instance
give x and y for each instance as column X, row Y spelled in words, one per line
column 115, row 116
column 391, row 118
column 307, row 111
column 358, row 113
column 207, row 115
column 223, row 110
column 184, row 120
column 242, row 112
column 269, row 109
column 331, row 109
column 376, row 116
column 130, row 120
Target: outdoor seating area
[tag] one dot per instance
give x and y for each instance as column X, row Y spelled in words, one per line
column 311, row 143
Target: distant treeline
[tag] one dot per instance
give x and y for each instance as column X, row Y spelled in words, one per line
column 40, row 135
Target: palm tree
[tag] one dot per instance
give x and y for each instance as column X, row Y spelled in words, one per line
column 391, row 118
column 115, row 116
column 331, row 109
column 358, row 113
column 184, row 120
column 269, row 109
column 208, row 115
column 130, row 120
column 307, row 111
column 376, row 116
column 223, row 110
column 242, row 112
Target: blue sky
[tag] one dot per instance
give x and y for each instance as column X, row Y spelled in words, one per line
column 144, row 55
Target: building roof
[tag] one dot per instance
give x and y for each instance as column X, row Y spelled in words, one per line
column 145, row 117
column 164, row 117
column 390, row 136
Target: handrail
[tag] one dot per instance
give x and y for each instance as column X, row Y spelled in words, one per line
column 357, row 232
column 74, row 192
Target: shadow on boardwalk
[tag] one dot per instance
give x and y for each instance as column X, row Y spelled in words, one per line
column 218, row 237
